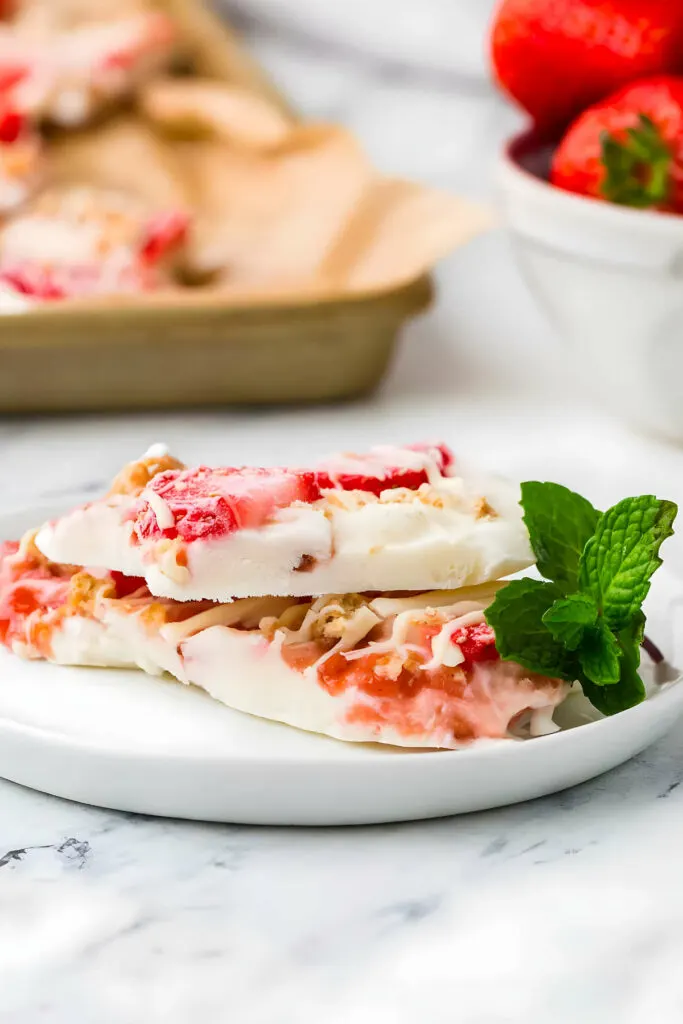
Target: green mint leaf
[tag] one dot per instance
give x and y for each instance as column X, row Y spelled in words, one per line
column 610, row 700
column 516, row 617
column 630, row 690
column 630, row 639
column 560, row 523
column 599, row 655
column 633, row 635
column 619, row 560
column 568, row 618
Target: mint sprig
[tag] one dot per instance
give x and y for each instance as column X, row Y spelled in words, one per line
column 559, row 524
column 585, row 622
column 569, row 618
column 620, row 558
column 599, row 654
column 631, row 689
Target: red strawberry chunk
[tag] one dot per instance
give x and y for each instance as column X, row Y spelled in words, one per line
column 212, row 503
column 126, row 585
column 12, row 124
column 477, row 643
column 440, row 452
column 164, row 233
column 32, row 280
column 374, row 478
column 24, row 597
column 24, row 588
column 200, row 518
column 72, row 281
column 409, row 478
column 12, row 72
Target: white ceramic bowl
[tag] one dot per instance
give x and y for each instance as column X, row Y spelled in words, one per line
column 611, row 279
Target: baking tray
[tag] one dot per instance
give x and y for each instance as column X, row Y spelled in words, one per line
column 210, row 351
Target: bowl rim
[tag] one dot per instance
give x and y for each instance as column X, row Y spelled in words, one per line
column 530, row 140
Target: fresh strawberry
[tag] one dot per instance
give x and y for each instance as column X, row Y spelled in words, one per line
column 212, row 503
column 629, row 148
column 556, row 57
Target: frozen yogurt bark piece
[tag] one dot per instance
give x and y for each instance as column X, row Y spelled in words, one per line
column 417, row 671
column 396, row 519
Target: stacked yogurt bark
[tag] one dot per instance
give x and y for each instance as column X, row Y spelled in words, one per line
column 347, row 599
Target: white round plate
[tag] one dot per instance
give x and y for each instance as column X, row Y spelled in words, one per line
column 134, row 743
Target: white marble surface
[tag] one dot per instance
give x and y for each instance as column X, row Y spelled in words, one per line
column 567, row 909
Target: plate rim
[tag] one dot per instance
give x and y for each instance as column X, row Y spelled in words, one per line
column 479, row 750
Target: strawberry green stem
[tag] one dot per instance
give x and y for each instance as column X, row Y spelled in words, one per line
column 638, row 166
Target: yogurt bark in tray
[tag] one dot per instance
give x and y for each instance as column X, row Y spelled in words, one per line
column 82, row 242
column 395, row 519
column 65, row 73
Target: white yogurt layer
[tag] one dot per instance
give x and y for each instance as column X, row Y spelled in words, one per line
column 451, row 533
column 246, row 671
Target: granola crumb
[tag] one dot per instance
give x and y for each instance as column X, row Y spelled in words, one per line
column 347, row 500
column 432, row 616
column 425, row 494
column 335, row 615
column 135, row 476
column 482, row 510
column 154, row 614
column 85, row 589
